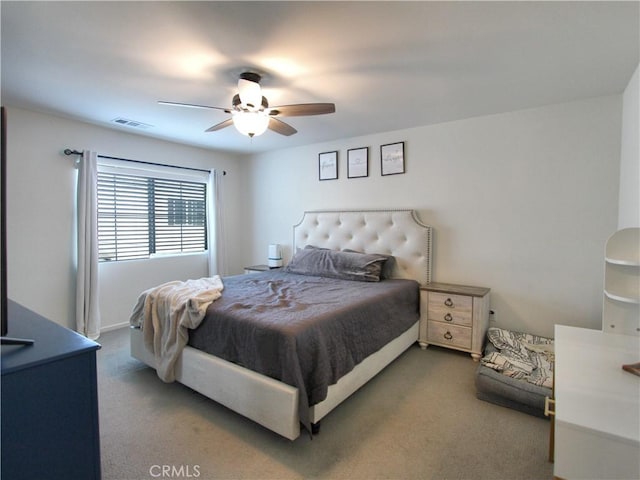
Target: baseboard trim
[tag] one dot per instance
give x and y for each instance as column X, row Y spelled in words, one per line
column 117, row 326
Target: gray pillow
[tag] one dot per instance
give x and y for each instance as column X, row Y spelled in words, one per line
column 387, row 267
column 323, row 262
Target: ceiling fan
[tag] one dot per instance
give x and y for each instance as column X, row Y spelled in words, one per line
column 251, row 113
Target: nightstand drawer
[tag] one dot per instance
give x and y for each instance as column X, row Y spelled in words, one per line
column 450, row 308
column 445, row 334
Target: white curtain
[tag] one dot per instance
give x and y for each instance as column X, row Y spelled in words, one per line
column 215, row 222
column 87, row 312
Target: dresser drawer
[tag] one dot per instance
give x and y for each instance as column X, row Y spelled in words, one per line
column 446, row 334
column 450, row 308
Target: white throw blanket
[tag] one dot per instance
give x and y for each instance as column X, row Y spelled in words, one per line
column 164, row 313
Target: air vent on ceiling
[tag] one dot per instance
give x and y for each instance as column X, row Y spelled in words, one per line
column 131, row 123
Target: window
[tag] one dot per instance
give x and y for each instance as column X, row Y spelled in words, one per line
column 140, row 216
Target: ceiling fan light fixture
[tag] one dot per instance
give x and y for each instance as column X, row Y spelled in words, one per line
column 250, row 110
column 250, row 93
column 251, row 124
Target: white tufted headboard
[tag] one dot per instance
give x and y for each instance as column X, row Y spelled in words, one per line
column 394, row 232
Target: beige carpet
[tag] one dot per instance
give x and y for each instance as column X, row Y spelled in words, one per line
column 418, row 419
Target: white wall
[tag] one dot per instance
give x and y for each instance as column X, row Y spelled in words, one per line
column 629, row 202
column 122, row 282
column 40, row 217
column 521, row 202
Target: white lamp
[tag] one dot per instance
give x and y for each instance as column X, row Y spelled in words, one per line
column 275, row 256
column 251, row 123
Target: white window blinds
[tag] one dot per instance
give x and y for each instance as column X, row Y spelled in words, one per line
column 142, row 215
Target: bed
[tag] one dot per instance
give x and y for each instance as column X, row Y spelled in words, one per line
column 516, row 371
column 282, row 406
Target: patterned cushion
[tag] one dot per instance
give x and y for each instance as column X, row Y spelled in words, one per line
column 521, row 356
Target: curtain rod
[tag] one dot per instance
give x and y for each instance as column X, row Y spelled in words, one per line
column 68, row 151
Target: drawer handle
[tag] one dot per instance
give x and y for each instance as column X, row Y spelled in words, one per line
column 448, row 317
column 448, row 335
column 448, row 302
column 547, row 406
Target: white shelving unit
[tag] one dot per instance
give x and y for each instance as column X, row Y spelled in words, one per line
column 621, row 307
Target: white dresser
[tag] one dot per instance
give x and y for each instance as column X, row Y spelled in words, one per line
column 597, row 405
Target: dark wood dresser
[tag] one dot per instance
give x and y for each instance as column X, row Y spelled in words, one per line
column 50, row 426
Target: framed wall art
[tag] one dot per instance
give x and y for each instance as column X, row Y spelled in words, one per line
column 358, row 162
column 328, row 165
column 392, row 158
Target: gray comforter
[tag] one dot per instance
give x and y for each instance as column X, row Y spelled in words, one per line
column 305, row 331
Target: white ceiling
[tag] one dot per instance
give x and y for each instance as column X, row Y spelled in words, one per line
column 386, row 65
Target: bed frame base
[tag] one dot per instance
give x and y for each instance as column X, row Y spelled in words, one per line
column 262, row 399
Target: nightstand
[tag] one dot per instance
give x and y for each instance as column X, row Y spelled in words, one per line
column 259, row 268
column 454, row 316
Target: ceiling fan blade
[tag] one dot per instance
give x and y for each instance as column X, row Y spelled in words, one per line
column 219, row 126
column 280, row 127
column 303, row 109
column 191, row 105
